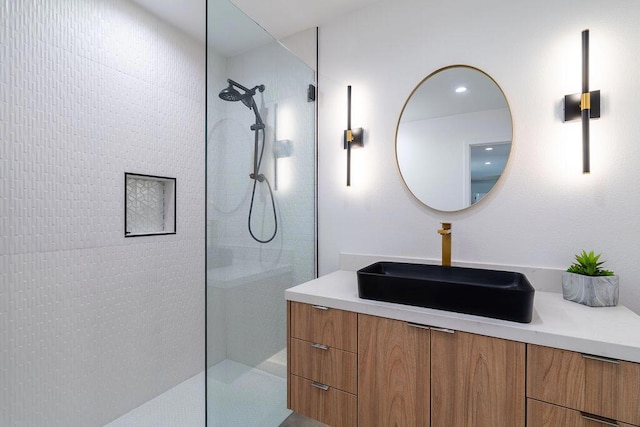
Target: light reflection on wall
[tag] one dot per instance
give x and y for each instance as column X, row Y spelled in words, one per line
column 283, row 149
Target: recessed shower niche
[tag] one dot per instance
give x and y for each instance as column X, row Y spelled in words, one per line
column 149, row 204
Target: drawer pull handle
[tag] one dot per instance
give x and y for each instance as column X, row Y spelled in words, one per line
column 418, row 325
column 320, row 307
column 320, row 346
column 320, row 386
column 445, row 330
column 601, row 359
column 596, row 419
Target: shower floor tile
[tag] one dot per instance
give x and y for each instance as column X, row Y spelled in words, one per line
column 183, row 405
column 241, row 396
column 238, row 396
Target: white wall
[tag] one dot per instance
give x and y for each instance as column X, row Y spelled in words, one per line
column 545, row 210
column 430, row 156
column 93, row 324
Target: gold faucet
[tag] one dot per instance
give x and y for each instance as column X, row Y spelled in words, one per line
column 445, row 232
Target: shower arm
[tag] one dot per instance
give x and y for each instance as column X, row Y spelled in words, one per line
column 251, row 92
column 239, row 86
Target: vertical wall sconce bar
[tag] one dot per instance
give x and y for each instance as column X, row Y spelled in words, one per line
column 352, row 137
column 584, row 105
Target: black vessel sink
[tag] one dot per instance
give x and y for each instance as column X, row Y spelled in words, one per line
column 497, row 294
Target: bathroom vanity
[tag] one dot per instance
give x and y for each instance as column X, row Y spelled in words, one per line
column 355, row 362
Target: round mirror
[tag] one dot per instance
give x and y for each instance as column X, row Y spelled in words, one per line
column 454, row 138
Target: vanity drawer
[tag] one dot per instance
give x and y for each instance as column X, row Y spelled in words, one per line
column 607, row 388
column 331, row 406
column 329, row 326
column 317, row 362
column 541, row 414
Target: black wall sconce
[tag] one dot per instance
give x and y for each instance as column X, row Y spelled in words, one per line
column 352, row 137
column 585, row 105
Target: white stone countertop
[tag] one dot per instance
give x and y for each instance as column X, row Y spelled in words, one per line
column 612, row 332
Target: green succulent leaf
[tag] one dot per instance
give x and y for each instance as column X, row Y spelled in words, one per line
column 588, row 264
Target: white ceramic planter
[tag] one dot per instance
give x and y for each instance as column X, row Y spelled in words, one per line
column 594, row 291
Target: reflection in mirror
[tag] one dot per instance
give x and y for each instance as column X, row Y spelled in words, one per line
column 454, row 138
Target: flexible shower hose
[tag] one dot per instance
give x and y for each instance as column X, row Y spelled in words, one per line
column 259, row 178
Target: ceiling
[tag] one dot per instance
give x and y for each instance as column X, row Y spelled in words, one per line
column 188, row 15
column 437, row 97
column 283, row 18
column 231, row 32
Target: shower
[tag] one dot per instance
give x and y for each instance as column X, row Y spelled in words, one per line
column 230, row 93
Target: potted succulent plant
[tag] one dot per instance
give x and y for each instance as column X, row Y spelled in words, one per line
column 586, row 282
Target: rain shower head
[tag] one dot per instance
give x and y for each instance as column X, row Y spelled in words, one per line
column 230, row 93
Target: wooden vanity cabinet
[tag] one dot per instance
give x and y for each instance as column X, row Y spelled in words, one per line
column 322, row 363
column 414, row 375
column 394, row 373
column 476, row 380
column 348, row 369
column 591, row 386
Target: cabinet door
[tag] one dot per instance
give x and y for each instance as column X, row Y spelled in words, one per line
column 541, row 414
column 393, row 373
column 476, row 381
column 608, row 388
column 629, row 393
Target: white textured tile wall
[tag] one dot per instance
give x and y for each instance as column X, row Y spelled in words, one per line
column 230, row 156
column 93, row 324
